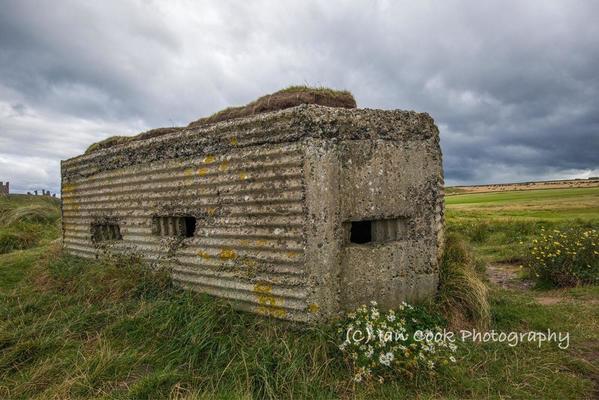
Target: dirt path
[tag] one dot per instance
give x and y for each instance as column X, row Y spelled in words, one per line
column 507, row 276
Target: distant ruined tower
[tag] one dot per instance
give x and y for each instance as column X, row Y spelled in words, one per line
column 4, row 188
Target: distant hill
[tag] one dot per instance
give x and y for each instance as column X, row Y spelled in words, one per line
column 505, row 187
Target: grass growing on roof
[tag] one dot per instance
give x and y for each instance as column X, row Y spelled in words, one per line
column 289, row 97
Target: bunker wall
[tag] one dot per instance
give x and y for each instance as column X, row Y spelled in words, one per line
column 266, row 199
column 392, row 190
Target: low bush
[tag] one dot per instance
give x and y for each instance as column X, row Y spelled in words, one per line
column 385, row 345
column 19, row 238
column 33, row 213
column 462, row 296
column 565, row 258
column 27, row 221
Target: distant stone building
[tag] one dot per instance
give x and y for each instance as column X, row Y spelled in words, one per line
column 4, row 188
column 299, row 214
column 43, row 193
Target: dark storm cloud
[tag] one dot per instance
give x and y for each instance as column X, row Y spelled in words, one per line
column 512, row 85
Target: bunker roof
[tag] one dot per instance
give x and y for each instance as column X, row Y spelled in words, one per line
column 280, row 100
column 212, row 135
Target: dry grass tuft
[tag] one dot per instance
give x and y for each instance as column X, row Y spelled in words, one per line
column 286, row 98
column 463, row 296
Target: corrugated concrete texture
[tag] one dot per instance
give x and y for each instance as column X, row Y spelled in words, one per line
column 265, row 205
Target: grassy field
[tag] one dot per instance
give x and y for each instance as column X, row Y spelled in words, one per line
column 72, row 328
column 554, row 205
column 500, row 225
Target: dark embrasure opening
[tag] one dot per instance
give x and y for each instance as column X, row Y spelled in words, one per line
column 361, row 232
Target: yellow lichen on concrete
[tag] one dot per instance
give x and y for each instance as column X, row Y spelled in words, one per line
column 268, row 303
column 313, row 308
column 209, row 159
column 68, row 192
column 249, row 262
column 223, row 166
column 204, row 254
column 69, row 188
column 243, row 176
column 227, row 254
column 202, row 171
column 234, row 141
column 189, row 172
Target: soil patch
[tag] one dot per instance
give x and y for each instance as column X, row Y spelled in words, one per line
column 507, row 276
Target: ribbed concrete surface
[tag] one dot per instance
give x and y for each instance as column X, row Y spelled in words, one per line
column 248, row 244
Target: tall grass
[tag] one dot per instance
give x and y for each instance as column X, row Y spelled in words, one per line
column 25, row 221
column 32, row 213
column 127, row 331
column 73, row 328
column 462, row 296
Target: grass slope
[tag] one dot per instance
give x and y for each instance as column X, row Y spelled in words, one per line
column 74, row 328
column 26, row 221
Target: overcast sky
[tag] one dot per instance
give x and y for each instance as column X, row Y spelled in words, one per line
column 513, row 86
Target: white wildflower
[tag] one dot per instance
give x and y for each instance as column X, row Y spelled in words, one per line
column 386, row 358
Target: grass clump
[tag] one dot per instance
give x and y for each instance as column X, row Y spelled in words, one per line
column 27, row 220
column 108, row 142
column 17, row 238
column 285, row 98
column 462, row 296
column 565, row 258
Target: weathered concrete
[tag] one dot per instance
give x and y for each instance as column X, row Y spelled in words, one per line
column 4, row 188
column 261, row 208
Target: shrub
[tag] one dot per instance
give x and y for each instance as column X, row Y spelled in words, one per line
column 564, row 258
column 17, row 238
column 24, row 225
column 117, row 277
column 34, row 213
column 381, row 345
column 462, row 296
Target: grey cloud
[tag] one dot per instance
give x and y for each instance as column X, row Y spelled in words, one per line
column 513, row 85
